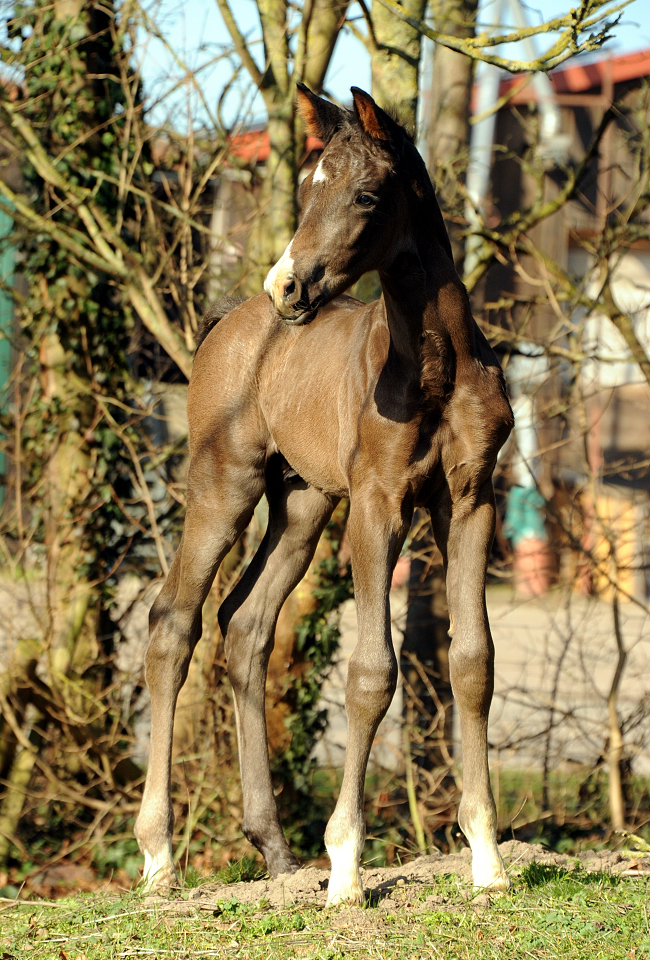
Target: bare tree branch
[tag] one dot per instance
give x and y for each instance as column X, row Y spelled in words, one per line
column 568, row 44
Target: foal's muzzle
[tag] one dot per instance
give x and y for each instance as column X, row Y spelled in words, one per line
column 290, row 294
column 295, row 307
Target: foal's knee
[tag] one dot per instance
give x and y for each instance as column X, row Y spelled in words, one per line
column 173, row 636
column 470, row 658
column 471, row 669
column 371, row 686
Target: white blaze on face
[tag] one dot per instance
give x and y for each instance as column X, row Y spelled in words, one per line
column 319, row 174
column 277, row 276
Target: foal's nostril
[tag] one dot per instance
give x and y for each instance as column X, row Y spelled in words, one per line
column 291, row 292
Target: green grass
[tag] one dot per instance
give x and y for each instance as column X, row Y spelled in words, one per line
column 551, row 913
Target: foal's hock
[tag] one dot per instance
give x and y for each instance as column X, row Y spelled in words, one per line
column 397, row 404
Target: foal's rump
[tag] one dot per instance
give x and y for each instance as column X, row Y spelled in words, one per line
column 215, row 312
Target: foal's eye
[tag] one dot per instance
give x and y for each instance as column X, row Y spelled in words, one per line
column 365, row 200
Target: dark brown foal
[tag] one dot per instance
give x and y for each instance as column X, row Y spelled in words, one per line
column 396, row 404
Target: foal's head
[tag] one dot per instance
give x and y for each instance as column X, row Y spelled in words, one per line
column 369, row 200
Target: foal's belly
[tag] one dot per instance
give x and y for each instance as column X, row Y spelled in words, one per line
column 304, row 429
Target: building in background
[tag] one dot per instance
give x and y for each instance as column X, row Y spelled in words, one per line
column 617, row 395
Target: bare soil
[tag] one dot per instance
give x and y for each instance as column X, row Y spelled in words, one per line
column 407, row 886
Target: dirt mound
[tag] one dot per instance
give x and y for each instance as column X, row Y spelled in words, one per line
column 388, row 887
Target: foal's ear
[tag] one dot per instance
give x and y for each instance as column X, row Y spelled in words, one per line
column 321, row 117
column 374, row 120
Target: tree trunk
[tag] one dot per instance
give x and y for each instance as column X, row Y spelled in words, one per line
column 396, row 60
column 276, row 221
column 325, row 22
column 326, row 18
column 616, row 743
column 69, row 642
column 448, row 107
column 68, row 591
column 16, row 761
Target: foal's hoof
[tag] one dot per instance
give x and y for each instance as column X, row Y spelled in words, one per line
column 284, row 865
column 348, row 892
column 159, row 875
column 500, row 884
column 345, row 898
column 488, row 871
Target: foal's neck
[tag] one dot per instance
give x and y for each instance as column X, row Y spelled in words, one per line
column 427, row 310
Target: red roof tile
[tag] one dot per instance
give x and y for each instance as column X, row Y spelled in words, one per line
column 253, row 146
column 581, row 78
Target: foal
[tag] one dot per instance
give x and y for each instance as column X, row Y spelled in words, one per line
column 397, row 404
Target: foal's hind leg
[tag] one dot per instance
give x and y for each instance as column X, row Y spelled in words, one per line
column 297, row 516
column 464, row 533
column 214, row 520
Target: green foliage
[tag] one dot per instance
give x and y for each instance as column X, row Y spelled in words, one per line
column 90, row 496
column 121, row 853
column 563, row 881
column 248, row 868
column 256, row 926
column 192, row 879
column 317, row 640
column 230, row 908
column 578, row 799
column 77, row 327
column 577, row 917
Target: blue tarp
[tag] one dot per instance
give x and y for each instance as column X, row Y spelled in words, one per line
column 524, row 518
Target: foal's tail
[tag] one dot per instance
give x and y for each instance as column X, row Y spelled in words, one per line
column 214, row 313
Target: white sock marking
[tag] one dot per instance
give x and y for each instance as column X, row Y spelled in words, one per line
column 345, row 884
column 487, row 866
column 159, row 868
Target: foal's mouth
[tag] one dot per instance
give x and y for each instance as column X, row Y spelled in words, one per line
column 300, row 319
column 303, row 314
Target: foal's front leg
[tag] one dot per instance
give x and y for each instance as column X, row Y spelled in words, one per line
column 213, row 522
column 376, row 529
column 464, row 533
